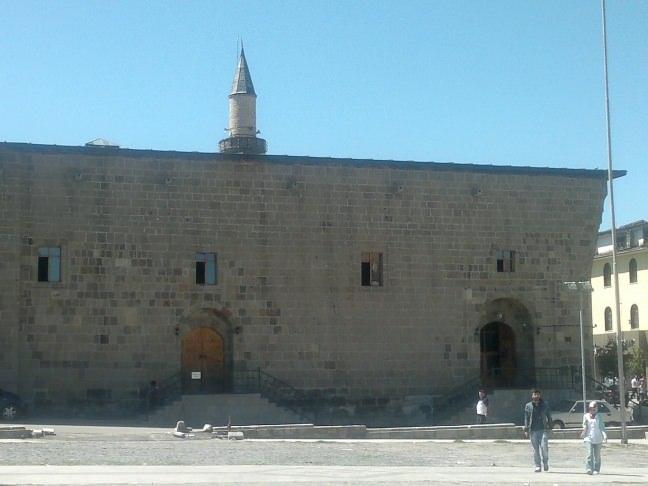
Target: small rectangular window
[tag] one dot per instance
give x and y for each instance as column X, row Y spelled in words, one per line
column 49, row 264
column 505, row 261
column 371, row 269
column 206, row 269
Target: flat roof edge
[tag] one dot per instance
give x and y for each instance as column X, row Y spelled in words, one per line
column 303, row 160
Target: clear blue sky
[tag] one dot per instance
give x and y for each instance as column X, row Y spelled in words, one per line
column 497, row 82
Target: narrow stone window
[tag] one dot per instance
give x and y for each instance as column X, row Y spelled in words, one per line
column 632, row 269
column 371, row 269
column 206, row 269
column 102, row 339
column 634, row 317
column 607, row 275
column 505, row 261
column 49, row 264
column 608, row 319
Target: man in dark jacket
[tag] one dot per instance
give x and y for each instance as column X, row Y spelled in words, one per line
column 537, row 426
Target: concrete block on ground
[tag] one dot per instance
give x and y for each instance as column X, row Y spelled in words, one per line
column 14, row 432
column 339, row 432
column 450, row 432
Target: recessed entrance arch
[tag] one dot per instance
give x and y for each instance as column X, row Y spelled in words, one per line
column 498, row 355
column 506, row 341
column 203, row 361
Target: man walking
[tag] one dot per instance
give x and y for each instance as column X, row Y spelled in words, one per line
column 537, row 426
column 594, row 435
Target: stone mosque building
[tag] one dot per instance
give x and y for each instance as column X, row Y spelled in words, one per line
column 342, row 280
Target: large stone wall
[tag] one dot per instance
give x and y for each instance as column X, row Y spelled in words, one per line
column 289, row 233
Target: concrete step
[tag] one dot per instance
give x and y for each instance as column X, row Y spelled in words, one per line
column 219, row 409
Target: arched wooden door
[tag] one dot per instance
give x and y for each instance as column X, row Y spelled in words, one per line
column 498, row 363
column 203, row 361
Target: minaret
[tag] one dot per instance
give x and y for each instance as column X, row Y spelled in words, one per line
column 242, row 115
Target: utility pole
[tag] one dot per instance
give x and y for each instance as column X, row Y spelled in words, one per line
column 619, row 339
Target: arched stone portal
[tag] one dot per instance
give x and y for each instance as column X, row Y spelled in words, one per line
column 507, row 357
column 203, row 361
column 498, row 356
column 206, row 347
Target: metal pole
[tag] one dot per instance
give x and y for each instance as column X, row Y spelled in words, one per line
column 619, row 340
column 582, row 343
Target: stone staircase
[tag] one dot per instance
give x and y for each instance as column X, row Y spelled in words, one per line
column 218, row 409
column 507, row 405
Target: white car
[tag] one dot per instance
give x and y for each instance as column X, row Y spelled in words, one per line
column 569, row 413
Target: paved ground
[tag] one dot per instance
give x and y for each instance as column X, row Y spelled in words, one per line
column 304, row 474
column 129, row 455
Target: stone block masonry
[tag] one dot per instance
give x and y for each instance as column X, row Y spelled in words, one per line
column 289, row 234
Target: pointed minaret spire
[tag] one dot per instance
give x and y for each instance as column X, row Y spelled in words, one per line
column 242, row 79
column 242, row 114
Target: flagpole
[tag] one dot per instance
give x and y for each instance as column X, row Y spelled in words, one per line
column 619, row 339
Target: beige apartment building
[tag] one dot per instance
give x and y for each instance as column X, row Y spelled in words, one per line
column 632, row 268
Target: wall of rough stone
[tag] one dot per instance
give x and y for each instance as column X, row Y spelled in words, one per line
column 289, row 233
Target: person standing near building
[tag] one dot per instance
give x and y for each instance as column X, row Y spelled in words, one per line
column 634, row 384
column 482, row 407
column 537, row 427
column 594, row 435
column 643, row 388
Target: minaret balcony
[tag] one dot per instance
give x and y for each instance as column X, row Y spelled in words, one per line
column 243, row 145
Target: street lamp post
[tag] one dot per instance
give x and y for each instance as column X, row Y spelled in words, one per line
column 581, row 288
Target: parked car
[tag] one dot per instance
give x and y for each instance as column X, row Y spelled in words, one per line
column 11, row 406
column 569, row 413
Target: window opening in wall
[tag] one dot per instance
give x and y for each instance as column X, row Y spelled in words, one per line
column 608, row 319
column 634, row 316
column 372, row 269
column 206, row 269
column 632, row 269
column 49, row 264
column 607, row 275
column 505, row 261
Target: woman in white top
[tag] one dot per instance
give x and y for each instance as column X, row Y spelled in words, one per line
column 594, row 435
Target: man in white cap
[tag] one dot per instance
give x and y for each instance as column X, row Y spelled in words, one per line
column 594, row 435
